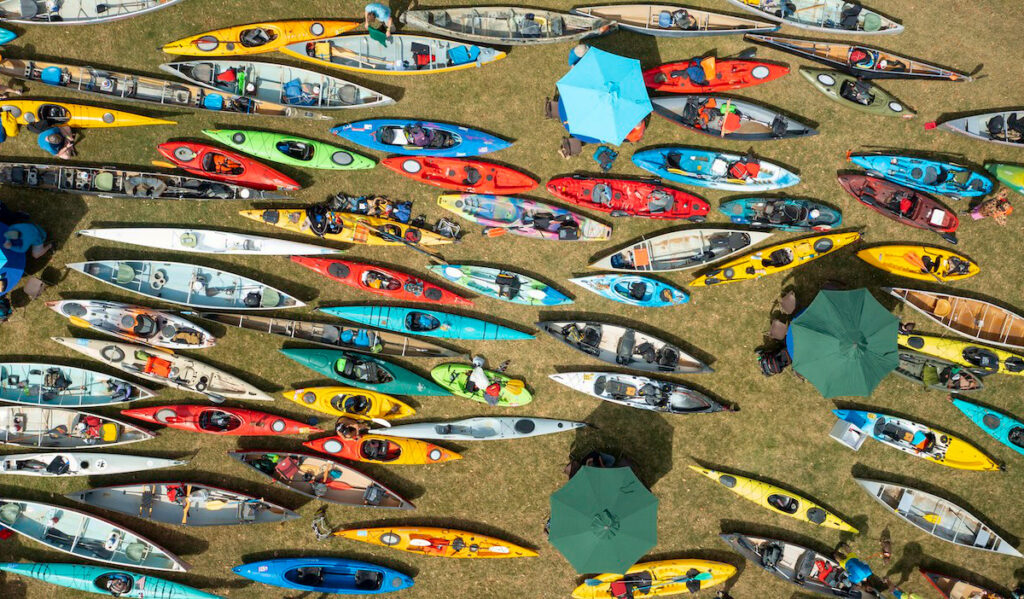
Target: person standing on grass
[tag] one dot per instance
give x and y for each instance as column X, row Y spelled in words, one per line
column 378, row 16
column 58, row 141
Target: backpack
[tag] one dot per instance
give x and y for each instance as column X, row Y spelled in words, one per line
column 771, row 555
column 773, row 362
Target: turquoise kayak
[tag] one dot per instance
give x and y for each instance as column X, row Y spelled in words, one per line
column 714, row 170
column 782, row 214
column 1007, row 430
column 635, row 290
column 365, row 372
column 94, row 579
column 502, row 284
column 943, row 178
column 429, row 323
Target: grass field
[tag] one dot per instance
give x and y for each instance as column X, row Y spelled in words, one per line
column 781, row 431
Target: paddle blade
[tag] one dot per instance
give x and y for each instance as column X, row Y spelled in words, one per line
column 495, row 231
column 915, row 261
column 514, row 386
column 162, row 164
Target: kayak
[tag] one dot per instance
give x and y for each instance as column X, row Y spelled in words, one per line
column 403, row 55
column 257, row 38
column 58, row 386
column 163, row 367
column 640, row 392
column 440, row 542
column 325, row 575
column 382, row 450
column 184, row 504
column 388, row 282
column 224, row 165
column 220, row 420
column 902, row 204
column 501, row 284
column 419, row 138
column 322, row 478
column 944, row 178
column 729, row 118
column 1001, row 127
column 775, row 258
column 365, row 372
column 291, row 150
column 783, row 214
column 826, row 16
column 977, row 356
column 80, row 463
column 187, row 284
column 64, row 429
column 972, row 318
column 136, row 324
column 78, row 12
column 659, row 20
column 777, row 499
column 680, row 250
column 955, row 588
column 714, row 170
column 461, row 380
column 634, row 290
column 1010, row 175
column 206, row 241
column 507, row 25
column 74, row 115
column 858, row 94
column 344, row 227
column 657, row 579
column 1006, row 429
column 93, row 579
column 527, row 218
column 924, row 263
column 461, row 174
column 936, row 373
column 624, row 347
column 719, row 75
column 625, row 197
column 428, row 323
column 350, row 402
column 496, row 428
column 806, row 568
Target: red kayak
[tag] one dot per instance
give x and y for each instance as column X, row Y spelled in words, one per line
column 220, row 420
column 728, row 74
column 224, row 165
column 461, row 174
column 382, row 281
column 902, row 204
column 624, row 197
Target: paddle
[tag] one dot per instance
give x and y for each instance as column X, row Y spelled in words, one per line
column 514, row 386
column 163, row 164
column 700, row 576
column 916, row 261
column 188, row 503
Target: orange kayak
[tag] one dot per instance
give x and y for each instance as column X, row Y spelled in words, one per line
column 378, row 449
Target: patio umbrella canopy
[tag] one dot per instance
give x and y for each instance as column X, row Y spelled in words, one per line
column 604, row 96
column 603, row 520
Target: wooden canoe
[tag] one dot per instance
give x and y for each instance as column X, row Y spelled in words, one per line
column 973, row 318
column 648, row 19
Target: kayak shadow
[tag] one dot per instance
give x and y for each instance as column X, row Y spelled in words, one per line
column 14, row 587
column 613, row 430
column 632, row 45
column 931, row 564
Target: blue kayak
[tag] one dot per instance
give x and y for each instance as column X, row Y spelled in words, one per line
column 1007, row 430
column 365, row 372
column 6, row 36
column 714, row 170
column 782, row 214
column 944, row 178
column 635, row 290
column 96, row 579
column 429, row 323
column 326, row 575
column 420, row 138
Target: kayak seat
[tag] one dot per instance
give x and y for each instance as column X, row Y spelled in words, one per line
column 310, row 576
column 460, row 55
column 250, row 38
column 141, row 325
column 660, row 202
column 1016, row 436
column 770, row 555
column 601, row 195
column 472, row 176
column 783, row 503
column 29, row 9
column 10, row 512
column 295, row 149
column 269, row 298
column 124, row 274
column 369, row 580
column 931, row 176
column 590, row 339
column 942, row 307
column 419, row 321
column 137, row 552
column 638, row 290
column 624, row 348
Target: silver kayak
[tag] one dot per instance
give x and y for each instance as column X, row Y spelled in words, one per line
column 672, row 20
column 680, row 250
column 507, row 25
column 481, row 429
column 1001, row 127
column 207, row 241
column 639, row 392
column 66, row 429
column 80, row 463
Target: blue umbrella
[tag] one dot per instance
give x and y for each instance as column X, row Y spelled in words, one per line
column 604, row 96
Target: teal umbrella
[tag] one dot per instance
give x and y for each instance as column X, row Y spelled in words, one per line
column 603, row 520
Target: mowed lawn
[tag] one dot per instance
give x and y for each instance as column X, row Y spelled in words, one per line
column 781, row 431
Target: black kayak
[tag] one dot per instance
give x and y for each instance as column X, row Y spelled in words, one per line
column 806, row 568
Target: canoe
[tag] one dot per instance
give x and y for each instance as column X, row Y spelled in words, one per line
column 501, row 284
column 404, row 55
column 428, row 323
column 657, row 579
column 484, row 428
column 626, row 197
column 639, row 392
column 955, row 588
column 93, row 579
column 206, row 241
column 1010, row 175
column 938, row 517
column 936, row 373
column 80, row 463
column 977, row 356
column 1001, row 127
column 742, row 120
column 322, row 478
column 350, row 402
column 219, row 164
column 440, row 542
column 325, row 575
column 345, row 227
column 826, row 16
column 184, row 504
column 714, row 170
column 527, row 218
column 507, row 25
column 624, row 347
column 657, row 20
column 777, row 499
column 783, row 214
column 924, row 263
column 55, row 385
column 257, row 38
column 78, row 12
column 856, row 93
column 459, row 380
column 281, row 84
column 1006, row 429
column 379, row 280
column 634, row 290
column 163, row 367
column 136, row 324
column 187, row 284
column 902, row 204
column 919, row 440
column 376, row 449
column 774, row 258
column 461, row 174
column 398, row 136
column 806, row 568
column 680, row 250
column 944, row 178
column 972, row 318
column 28, row 426
column 862, row 61
column 333, row 335
column 75, row 115
column 291, row 150
column 729, row 73
column 220, row 420
column 365, row 372
column 85, row 536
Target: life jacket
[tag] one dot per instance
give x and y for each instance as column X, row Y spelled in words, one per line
column 493, row 390
column 744, row 170
column 228, row 76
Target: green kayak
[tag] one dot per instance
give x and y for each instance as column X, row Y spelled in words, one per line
column 365, row 372
column 291, row 150
column 855, row 93
column 94, row 579
column 456, row 379
column 1010, row 175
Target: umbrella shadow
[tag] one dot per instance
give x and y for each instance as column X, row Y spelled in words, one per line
column 613, row 430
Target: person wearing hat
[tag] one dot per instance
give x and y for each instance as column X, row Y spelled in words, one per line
column 379, row 16
column 58, row 141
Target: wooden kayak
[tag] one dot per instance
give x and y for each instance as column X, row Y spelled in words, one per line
column 523, row 217
column 729, row 118
column 639, row 392
column 775, row 258
column 379, row 280
column 78, row 12
column 954, row 588
column 62, row 464
column 224, row 165
column 624, row 347
column 461, row 174
column 680, row 250
column 856, row 93
column 972, row 318
column 404, row 54
column 440, row 542
column 136, row 324
column 346, row 227
column 74, row 115
column 1002, row 127
column 257, row 38
column 806, row 568
column 902, row 204
column 725, row 74
column 59, row 428
column 350, row 402
column 664, row 20
column 383, row 450
column 924, row 263
column 657, row 579
column 220, row 420
column 826, row 16
column 937, row 374
column 977, row 356
column 58, row 386
column 507, row 25
column 628, row 197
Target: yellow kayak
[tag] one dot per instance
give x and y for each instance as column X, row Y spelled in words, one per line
column 657, row 579
column 351, row 228
column 776, row 499
column 351, row 402
column 774, row 258
column 441, row 542
column 920, row 262
column 75, row 115
column 257, row 38
column 977, row 356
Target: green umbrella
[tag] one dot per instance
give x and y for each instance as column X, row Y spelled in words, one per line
column 844, row 343
column 603, row 520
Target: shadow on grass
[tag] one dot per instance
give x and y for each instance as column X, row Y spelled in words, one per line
column 944, row 569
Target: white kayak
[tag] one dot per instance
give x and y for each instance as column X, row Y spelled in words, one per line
column 80, row 463
column 134, row 323
column 76, row 12
column 680, row 250
column 639, row 392
column 65, row 429
column 206, row 241
column 481, row 429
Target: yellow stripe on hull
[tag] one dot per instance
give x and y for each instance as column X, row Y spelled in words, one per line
column 79, row 115
column 319, row 399
column 963, row 456
column 661, row 572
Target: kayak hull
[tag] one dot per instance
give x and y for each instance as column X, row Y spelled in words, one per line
column 377, row 449
column 461, row 174
column 405, row 54
column 440, row 542
column 977, row 356
column 197, row 158
column 336, row 575
column 80, row 463
column 389, row 135
column 26, row 383
column 391, row 378
column 429, row 323
column 527, row 218
column 646, row 19
column 501, row 284
column 943, row 178
column 680, row 250
column 923, row 263
column 639, row 392
column 868, row 97
column 291, row 150
column 86, row 578
column 135, row 324
column 887, row 198
column 350, row 402
column 634, row 290
column 661, row 579
column 238, row 41
column 729, row 74
column 624, row 197
column 774, row 259
column 624, row 347
column 239, row 422
column 495, row 428
column 714, row 170
column 1006, row 429
column 393, row 284
column 457, row 379
column 783, row 214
